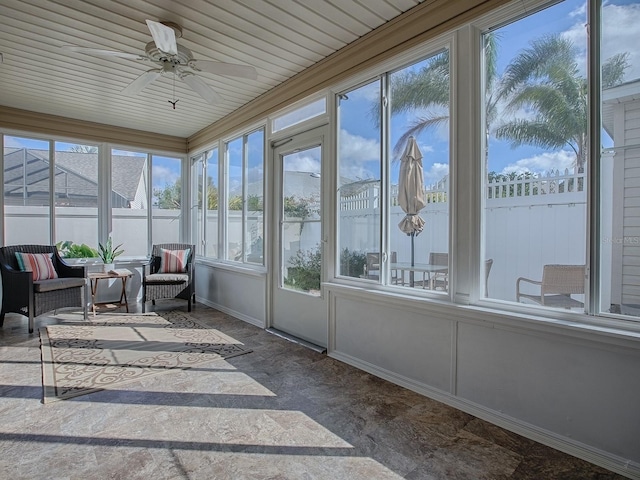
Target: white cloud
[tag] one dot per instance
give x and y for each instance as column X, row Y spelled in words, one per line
column 163, row 175
column 302, row 162
column 619, row 35
column 436, row 173
column 357, row 149
column 355, row 153
column 370, row 93
column 543, row 162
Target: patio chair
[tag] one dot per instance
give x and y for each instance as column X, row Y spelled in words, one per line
column 558, row 283
column 169, row 274
column 372, row 266
column 487, row 270
column 439, row 279
column 54, row 285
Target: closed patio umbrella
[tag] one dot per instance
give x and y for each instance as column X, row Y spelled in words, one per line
column 411, row 194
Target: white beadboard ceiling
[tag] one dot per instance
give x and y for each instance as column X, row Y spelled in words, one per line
column 280, row 38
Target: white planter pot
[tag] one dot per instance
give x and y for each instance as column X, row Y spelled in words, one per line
column 108, row 266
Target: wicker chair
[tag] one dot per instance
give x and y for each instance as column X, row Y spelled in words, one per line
column 156, row 285
column 558, row 283
column 21, row 294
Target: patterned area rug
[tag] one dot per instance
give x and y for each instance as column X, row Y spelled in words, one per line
column 86, row 357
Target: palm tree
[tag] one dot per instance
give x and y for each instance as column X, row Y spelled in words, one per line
column 428, row 90
column 544, row 80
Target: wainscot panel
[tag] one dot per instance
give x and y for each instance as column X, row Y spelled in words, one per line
column 582, row 390
column 239, row 292
column 411, row 344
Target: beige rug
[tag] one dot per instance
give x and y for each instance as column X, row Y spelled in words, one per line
column 109, row 351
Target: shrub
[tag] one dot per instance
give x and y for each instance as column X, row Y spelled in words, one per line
column 352, row 263
column 68, row 249
column 304, row 272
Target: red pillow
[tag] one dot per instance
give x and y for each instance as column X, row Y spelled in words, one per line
column 39, row 264
column 173, row 261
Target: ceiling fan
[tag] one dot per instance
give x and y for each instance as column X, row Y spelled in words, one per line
column 173, row 59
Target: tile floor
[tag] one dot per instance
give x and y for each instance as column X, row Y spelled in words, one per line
column 280, row 412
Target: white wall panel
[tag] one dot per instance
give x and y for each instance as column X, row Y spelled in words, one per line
column 585, row 391
column 238, row 293
column 404, row 342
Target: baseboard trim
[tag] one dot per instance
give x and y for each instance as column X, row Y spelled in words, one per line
column 597, row 457
column 233, row 313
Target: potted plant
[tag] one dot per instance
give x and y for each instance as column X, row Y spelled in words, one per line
column 108, row 254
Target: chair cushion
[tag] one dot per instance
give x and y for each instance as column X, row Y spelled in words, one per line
column 156, row 278
column 173, row 261
column 42, row 286
column 39, row 264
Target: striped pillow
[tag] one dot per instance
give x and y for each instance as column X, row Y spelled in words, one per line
column 173, row 261
column 39, row 264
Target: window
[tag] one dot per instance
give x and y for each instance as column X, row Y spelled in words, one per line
column 619, row 180
column 76, row 198
column 205, row 218
column 27, row 187
column 416, row 234
column 418, row 202
column 360, row 167
column 299, row 115
column 536, row 159
column 166, row 199
column 129, row 201
column 245, row 198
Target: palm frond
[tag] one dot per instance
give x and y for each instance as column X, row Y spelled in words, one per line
column 524, row 132
column 613, row 70
column 415, row 129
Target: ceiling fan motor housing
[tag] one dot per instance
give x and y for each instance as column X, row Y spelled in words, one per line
column 183, row 57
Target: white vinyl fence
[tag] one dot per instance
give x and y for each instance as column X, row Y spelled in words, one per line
column 527, row 223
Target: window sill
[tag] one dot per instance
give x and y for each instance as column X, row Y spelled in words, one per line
column 243, row 268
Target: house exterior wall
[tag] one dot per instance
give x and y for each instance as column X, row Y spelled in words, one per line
column 630, row 158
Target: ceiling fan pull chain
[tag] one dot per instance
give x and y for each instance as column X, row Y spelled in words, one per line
column 174, row 91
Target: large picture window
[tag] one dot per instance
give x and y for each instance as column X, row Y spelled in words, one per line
column 536, row 159
column 393, row 154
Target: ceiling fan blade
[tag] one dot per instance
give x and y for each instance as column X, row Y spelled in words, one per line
column 106, row 53
column 221, row 68
column 142, row 81
column 201, row 88
column 164, row 37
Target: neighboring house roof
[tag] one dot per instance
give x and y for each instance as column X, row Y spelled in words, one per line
column 76, row 172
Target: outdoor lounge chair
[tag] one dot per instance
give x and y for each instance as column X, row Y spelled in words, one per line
column 558, row 283
column 169, row 275
column 22, row 294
